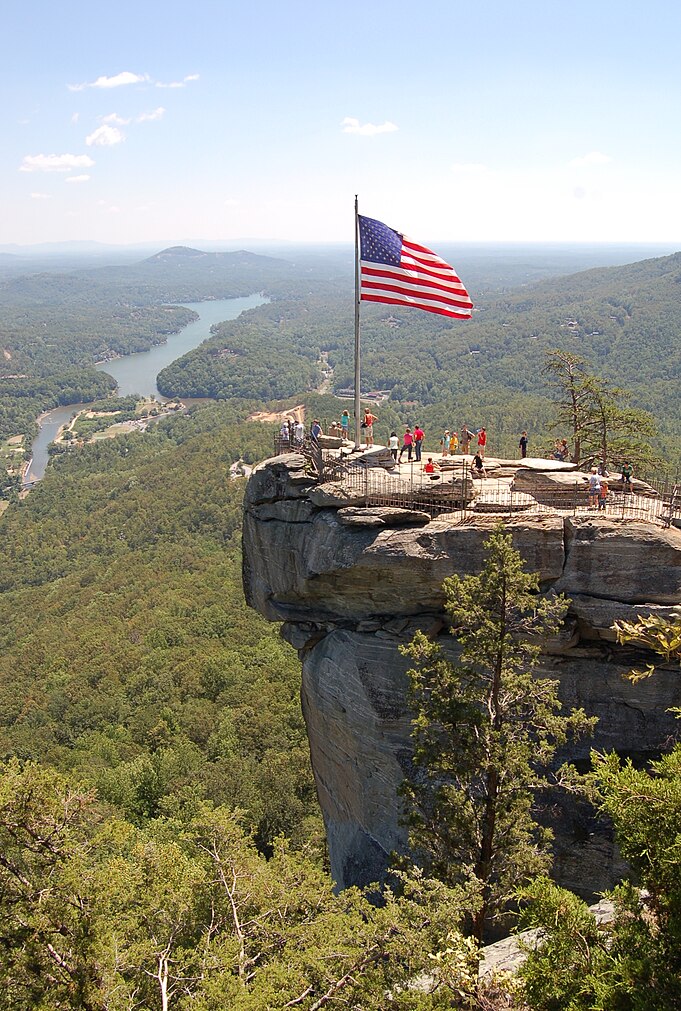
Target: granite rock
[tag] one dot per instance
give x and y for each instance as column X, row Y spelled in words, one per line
column 351, row 596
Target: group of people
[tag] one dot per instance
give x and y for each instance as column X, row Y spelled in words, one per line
column 598, row 484
column 450, row 443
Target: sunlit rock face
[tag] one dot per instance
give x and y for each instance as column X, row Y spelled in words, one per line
column 351, row 586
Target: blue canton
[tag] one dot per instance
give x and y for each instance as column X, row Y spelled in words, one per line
column 378, row 243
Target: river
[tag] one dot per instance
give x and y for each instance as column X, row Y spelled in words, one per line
column 137, row 373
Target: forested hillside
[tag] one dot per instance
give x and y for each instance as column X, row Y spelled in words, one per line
column 55, row 326
column 127, row 656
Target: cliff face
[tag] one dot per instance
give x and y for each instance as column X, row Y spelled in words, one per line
column 352, row 584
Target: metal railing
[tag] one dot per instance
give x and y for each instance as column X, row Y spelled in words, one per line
column 456, row 491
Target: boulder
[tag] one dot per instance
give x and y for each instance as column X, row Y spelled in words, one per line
column 564, row 489
column 382, row 516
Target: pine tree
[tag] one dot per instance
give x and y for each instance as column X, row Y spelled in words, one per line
column 485, row 732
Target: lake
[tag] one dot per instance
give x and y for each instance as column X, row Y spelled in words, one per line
column 137, row 373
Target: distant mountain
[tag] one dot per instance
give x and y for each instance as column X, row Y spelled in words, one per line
column 182, row 255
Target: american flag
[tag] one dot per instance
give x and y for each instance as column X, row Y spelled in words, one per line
column 401, row 272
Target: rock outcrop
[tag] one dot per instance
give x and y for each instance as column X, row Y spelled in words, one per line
column 351, row 585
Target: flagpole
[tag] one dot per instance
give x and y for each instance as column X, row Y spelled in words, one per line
column 357, row 297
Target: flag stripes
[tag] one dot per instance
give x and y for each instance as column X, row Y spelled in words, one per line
column 397, row 271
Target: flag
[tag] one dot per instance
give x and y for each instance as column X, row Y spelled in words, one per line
column 395, row 270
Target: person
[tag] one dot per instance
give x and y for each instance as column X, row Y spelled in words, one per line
column 482, row 442
column 603, row 495
column 315, row 430
column 407, row 443
column 430, row 468
column 453, row 443
column 603, row 469
column 627, row 474
column 393, row 443
column 444, row 443
column 478, row 466
column 522, row 445
column 466, row 436
column 561, row 451
column 299, row 433
column 345, row 423
column 369, row 420
column 419, row 436
column 594, row 488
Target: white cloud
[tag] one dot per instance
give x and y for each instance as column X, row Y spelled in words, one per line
column 105, row 136
column 352, row 125
column 84, row 178
column 55, row 162
column 178, row 84
column 114, row 118
column 40, row 196
column 117, row 81
column 75, row 118
column 590, row 159
column 148, row 117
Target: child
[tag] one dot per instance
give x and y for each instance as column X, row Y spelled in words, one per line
column 453, row 443
column 393, row 443
column 444, row 442
column 603, row 495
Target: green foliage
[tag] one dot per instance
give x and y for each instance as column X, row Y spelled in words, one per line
column 186, row 913
column 602, row 424
column 660, row 635
column 127, row 654
column 485, row 732
column 634, row 964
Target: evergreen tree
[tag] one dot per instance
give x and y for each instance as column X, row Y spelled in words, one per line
column 603, row 424
column 485, row 732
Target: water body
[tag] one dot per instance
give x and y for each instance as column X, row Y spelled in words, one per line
column 137, row 373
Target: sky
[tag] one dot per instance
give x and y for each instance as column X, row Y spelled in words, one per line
column 486, row 121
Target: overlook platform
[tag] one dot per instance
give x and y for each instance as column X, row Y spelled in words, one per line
column 530, row 486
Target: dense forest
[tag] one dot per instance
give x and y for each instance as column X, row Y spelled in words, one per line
column 160, row 841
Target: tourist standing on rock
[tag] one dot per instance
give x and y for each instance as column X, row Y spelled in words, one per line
column 482, row 442
column 453, row 444
column 369, row 420
column 594, row 488
column 466, row 436
column 299, row 433
column 603, row 495
column 419, row 436
column 627, row 474
column 315, row 430
column 393, row 443
column 345, row 423
column 407, row 443
column 444, row 443
column 522, row 445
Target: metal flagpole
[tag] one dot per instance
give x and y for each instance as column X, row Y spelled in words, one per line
column 357, row 293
